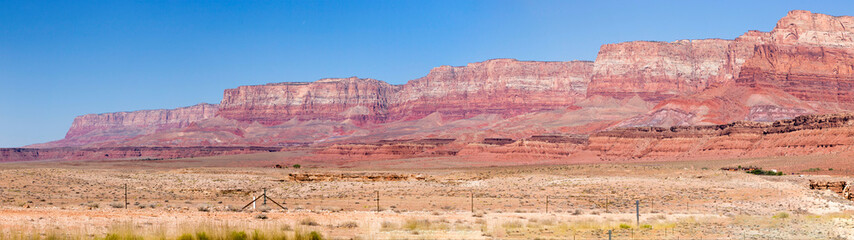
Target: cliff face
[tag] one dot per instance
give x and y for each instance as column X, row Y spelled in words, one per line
column 822, row 75
column 660, row 70
column 92, row 128
column 164, row 118
column 501, row 86
column 364, row 100
column 805, row 65
column 801, row 27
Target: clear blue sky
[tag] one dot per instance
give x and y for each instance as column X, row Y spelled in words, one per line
column 60, row 59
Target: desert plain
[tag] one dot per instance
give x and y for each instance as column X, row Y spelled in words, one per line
column 418, row 198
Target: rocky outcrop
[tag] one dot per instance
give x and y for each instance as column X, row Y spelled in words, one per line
column 362, row 100
column 354, row 177
column 501, row 86
column 811, row 134
column 409, row 147
column 136, row 153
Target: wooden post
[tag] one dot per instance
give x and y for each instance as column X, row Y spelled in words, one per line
column 472, row 202
column 547, row 203
column 378, row 201
column 265, row 197
column 126, row 196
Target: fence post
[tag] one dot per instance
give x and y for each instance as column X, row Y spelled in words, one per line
column 126, row 196
column 265, row 196
column 547, row 203
column 472, row 202
column 378, row 201
column 637, row 211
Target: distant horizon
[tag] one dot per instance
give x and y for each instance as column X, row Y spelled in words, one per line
column 59, row 60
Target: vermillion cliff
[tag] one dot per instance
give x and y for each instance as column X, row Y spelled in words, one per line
column 364, row 100
column 502, row 86
column 93, row 128
column 805, row 65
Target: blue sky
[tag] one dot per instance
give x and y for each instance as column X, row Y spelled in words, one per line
column 60, row 59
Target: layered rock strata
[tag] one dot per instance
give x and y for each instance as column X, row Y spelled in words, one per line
column 138, row 153
column 362, row 100
column 501, row 86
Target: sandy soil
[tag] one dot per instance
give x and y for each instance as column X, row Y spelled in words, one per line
column 687, row 199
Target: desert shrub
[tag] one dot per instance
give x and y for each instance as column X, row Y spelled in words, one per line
column 763, row 172
column 235, row 235
column 297, row 166
column 261, row 216
column 386, row 225
column 90, row 205
column 512, row 224
column 186, row 236
column 415, row 224
column 126, row 236
column 313, row 235
column 202, row 236
column 117, row 205
column 646, row 226
column 204, row 208
column 781, row 215
column 308, row 222
column 257, row 235
column 349, row 224
column 286, row 227
column 625, row 226
column 813, row 170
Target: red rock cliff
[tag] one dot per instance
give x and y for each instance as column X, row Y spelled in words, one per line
column 499, row 86
column 810, row 56
column 92, row 128
column 328, row 99
column 660, row 70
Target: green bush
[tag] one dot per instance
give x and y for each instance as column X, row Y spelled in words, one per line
column 625, row 226
column 186, row 236
column 313, row 235
column 763, row 172
column 235, row 235
column 297, row 166
column 202, row 236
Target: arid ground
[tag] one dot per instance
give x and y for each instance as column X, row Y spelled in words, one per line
column 447, row 199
